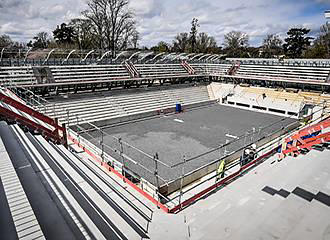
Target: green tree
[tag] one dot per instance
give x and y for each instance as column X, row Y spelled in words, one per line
column 161, row 47
column 251, row 52
column 272, row 46
column 193, row 34
column 64, row 34
column 297, row 42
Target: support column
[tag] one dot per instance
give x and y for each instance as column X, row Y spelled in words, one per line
column 182, row 177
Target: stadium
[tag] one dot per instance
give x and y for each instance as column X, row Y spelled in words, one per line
column 149, row 145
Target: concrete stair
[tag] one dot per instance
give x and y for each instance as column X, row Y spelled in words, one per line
column 109, row 106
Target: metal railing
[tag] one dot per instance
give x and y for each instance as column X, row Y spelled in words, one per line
column 130, row 160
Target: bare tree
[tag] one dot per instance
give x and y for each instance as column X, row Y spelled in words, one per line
column 135, row 39
column 84, row 37
column 5, row 41
column 96, row 14
column 272, row 46
column 235, row 42
column 325, row 37
column 205, row 43
column 181, row 42
column 113, row 21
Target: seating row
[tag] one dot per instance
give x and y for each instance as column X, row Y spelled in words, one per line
column 104, row 106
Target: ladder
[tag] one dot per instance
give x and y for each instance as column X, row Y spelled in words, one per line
column 131, row 69
column 234, row 68
column 188, row 67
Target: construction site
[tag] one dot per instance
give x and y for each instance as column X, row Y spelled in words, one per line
column 165, row 147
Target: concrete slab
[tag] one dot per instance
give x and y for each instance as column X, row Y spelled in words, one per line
column 242, row 210
column 188, row 134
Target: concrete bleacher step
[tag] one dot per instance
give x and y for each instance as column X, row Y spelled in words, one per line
column 128, row 108
column 94, row 188
column 150, row 107
column 89, row 118
column 25, row 221
column 141, row 99
column 118, row 190
column 83, row 75
column 86, row 113
column 92, row 79
column 73, row 105
column 63, row 197
column 79, row 107
column 137, row 97
column 115, row 104
column 108, row 106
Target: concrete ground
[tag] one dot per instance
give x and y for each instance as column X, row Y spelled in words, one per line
column 277, row 200
column 188, row 134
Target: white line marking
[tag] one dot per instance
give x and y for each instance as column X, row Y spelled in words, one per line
column 232, row 136
column 178, row 120
column 26, row 166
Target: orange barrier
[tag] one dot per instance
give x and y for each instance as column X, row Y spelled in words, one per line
column 48, row 133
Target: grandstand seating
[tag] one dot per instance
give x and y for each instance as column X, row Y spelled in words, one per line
column 314, row 74
column 103, row 106
column 28, row 76
column 16, row 197
column 161, row 70
column 218, row 69
column 282, row 62
column 37, row 198
column 258, row 99
column 81, row 73
column 18, row 75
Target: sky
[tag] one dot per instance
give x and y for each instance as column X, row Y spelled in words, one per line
column 161, row 20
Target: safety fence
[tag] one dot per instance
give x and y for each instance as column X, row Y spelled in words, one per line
column 262, row 154
column 11, row 62
column 151, row 169
column 156, row 177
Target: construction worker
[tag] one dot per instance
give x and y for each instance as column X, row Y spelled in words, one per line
column 221, row 170
column 245, row 157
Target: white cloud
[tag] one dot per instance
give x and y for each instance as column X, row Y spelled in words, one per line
column 162, row 20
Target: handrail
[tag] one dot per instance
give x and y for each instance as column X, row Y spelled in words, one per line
column 31, row 124
column 46, row 60
column 29, row 111
column 67, row 58
column 89, row 53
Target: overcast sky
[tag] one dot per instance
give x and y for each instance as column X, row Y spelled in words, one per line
column 163, row 19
